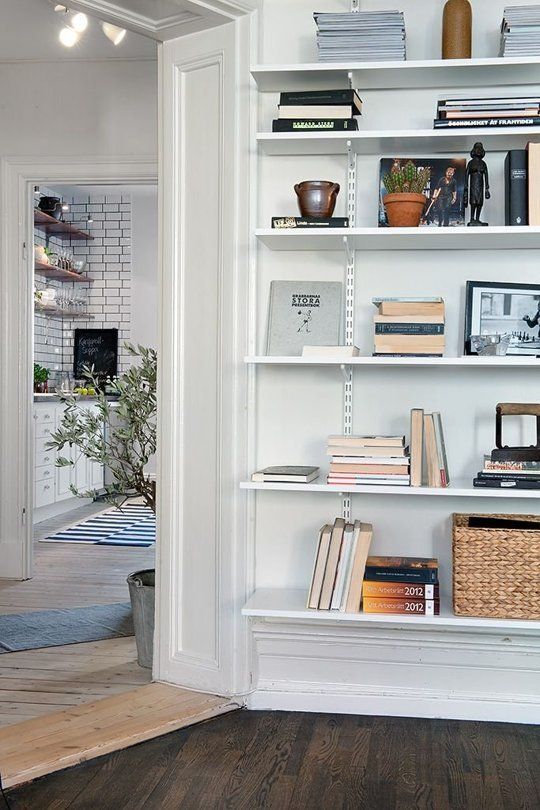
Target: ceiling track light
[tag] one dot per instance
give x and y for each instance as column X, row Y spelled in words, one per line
column 68, row 37
column 113, row 32
column 79, row 22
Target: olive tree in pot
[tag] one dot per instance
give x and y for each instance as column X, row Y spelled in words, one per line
column 405, row 200
column 120, row 434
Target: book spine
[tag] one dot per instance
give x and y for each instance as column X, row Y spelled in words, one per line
column 409, row 328
column 505, row 483
column 400, row 590
column 511, row 466
column 516, row 188
column 418, row 607
column 304, row 222
column 375, row 574
column 314, row 125
column 450, row 123
column 344, row 96
column 404, row 354
column 501, row 476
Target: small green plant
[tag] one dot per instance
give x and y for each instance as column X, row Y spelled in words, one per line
column 41, row 374
column 407, row 179
column 119, row 434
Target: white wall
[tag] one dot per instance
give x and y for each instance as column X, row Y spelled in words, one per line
column 144, row 259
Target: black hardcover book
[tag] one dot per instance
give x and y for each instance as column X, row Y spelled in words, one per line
column 493, row 123
column 409, row 328
column 309, row 222
column 506, row 483
column 376, row 574
column 314, row 125
column 308, row 97
column 402, row 354
column 503, row 476
column 516, row 208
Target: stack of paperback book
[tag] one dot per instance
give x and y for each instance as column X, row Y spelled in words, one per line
column 409, row 327
column 361, row 36
column 401, row 585
column 318, row 110
column 365, row 460
column 500, row 111
column 520, row 31
column 508, row 475
column 338, row 571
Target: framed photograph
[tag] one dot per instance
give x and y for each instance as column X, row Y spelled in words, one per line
column 505, row 310
column 444, row 191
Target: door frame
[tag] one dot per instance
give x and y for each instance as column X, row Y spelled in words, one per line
column 17, row 177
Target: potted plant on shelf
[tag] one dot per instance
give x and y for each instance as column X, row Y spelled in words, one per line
column 120, row 434
column 405, row 200
column 41, row 379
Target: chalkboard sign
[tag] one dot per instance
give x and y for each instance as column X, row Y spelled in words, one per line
column 98, row 348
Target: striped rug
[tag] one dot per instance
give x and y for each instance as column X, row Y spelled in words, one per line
column 133, row 525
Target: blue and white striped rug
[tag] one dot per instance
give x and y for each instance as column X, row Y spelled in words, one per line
column 133, row 525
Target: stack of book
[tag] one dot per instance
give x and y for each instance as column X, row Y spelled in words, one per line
column 520, row 31
column 339, row 566
column 508, row 475
column 318, row 110
column 285, row 475
column 409, row 327
column 401, row 585
column 361, row 36
column 368, row 460
column 499, row 111
column 429, row 463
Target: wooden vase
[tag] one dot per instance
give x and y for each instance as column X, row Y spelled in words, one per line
column 457, row 30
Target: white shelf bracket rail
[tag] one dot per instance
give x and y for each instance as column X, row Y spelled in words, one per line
column 355, row 5
column 349, row 310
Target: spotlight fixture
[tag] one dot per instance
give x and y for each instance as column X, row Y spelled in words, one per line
column 65, row 206
column 37, row 192
column 68, row 37
column 60, row 9
column 79, row 22
column 113, row 32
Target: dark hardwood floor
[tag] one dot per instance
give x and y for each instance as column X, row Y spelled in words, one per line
column 302, row 761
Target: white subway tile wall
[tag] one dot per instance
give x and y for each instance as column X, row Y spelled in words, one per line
column 109, row 266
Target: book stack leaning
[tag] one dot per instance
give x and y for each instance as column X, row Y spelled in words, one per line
column 401, row 586
column 368, row 460
column 339, row 566
column 409, row 327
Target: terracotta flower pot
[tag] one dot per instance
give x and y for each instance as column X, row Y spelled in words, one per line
column 317, row 198
column 404, row 210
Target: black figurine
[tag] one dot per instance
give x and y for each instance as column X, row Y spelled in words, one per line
column 476, row 184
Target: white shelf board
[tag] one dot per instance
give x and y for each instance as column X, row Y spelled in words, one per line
column 390, row 142
column 457, row 489
column 285, row 603
column 495, row 237
column 437, row 73
column 396, row 362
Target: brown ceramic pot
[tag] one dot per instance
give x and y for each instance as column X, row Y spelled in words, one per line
column 457, row 30
column 317, row 198
column 404, row 210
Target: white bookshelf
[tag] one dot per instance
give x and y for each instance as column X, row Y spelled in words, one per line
column 409, row 75
column 473, row 363
column 385, row 142
column 290, row 634
column 495, row 237
column 289, row 604
column 457, row 489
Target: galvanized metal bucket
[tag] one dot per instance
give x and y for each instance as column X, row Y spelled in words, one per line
column 142, row 592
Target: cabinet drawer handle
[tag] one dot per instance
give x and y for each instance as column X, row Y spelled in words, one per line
column 46, row 486
column 46, row 473
column 47, row 416
column 46, row 458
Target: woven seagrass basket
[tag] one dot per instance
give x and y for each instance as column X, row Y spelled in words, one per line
column 496, row 570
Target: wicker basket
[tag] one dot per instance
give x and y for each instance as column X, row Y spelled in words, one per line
column 496, row 571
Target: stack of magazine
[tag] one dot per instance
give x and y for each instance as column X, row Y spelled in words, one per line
column 361, row 36
column 520, row 31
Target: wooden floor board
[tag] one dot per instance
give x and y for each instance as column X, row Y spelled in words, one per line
column 294, row 761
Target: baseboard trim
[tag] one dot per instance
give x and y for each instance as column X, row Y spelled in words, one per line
column 352, row 700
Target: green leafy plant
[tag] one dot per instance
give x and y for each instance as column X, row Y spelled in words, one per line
column 407, row 179
column 118, row 433
column 41, row 374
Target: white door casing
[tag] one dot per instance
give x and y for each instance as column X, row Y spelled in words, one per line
column 202, row 556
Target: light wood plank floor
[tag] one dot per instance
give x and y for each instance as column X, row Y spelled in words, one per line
column 66, row 738
column 37, row 682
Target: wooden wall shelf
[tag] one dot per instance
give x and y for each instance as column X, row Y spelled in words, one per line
column 58, row 312
column 52, row 227
column 59, row 274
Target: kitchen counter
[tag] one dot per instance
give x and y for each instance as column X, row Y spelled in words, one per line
column 55, row 398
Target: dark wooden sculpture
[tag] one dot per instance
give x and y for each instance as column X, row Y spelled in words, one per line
column 476, row 184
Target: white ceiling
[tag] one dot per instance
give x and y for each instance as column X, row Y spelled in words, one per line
column 29, row 31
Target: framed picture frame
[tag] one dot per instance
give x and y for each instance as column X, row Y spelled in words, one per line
column 504, row 309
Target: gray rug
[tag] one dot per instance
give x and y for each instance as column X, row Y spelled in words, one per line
column 54, row 628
